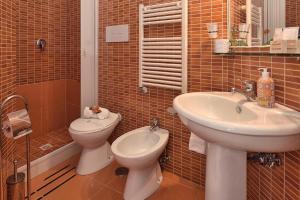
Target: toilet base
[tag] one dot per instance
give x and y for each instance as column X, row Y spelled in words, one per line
column 141, row 183
column 92, row 160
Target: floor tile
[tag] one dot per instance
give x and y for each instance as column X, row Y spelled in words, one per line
column 39, row 181
column 174, row 188
column 105, row 185
column 78, row 188
column 118, row 183
column 107, row 174
column 57, row 139
column 107, row 194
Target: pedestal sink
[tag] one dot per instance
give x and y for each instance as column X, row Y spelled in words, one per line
column 232, row 126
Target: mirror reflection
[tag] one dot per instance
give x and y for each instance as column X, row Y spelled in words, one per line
column 253, row 22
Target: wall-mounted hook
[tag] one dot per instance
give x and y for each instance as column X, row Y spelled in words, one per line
column 41, row 44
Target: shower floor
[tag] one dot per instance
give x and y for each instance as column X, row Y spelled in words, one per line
column 43, row 145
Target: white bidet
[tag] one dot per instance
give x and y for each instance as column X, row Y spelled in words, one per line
column 139, row 150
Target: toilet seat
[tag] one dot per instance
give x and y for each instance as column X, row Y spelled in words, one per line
column 86, row 126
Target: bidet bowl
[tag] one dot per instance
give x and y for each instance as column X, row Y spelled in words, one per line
column 140, row 147
column 139, row 151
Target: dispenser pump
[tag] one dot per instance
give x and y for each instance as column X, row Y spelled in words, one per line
column 265, row 73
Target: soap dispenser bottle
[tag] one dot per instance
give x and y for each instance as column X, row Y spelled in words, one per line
column 265, row 89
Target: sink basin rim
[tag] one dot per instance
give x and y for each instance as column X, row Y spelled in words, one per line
column 239, row 128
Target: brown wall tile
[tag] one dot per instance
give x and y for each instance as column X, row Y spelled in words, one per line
column 53, row 104
column 22, row 22
column 58, row 22
column 118, row 89
column 7, row 80
column 118, row 77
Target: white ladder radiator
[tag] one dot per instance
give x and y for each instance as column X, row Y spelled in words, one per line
column 163, row 61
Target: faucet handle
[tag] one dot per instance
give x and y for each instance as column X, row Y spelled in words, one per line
column 249, row 85
column 233, row 90
column 155, row 122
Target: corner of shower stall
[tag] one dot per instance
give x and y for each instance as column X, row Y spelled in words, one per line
column 42, row 61
column 48, row 77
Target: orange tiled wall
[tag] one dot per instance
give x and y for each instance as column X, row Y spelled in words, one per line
column 118, row 76
column 281, row 182
column 58, row 22
column 50, row 79
column 47, row 104
column 7, row 77
column 118, row 90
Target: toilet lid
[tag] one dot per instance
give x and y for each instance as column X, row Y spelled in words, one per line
column 92, row 125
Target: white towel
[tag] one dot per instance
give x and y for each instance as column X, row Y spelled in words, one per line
column 104, row 114
column 197, row 144
column 87, row 113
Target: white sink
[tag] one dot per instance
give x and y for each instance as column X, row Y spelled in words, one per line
column 213, row 117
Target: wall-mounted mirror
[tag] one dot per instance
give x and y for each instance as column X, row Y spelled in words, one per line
column 252, row 22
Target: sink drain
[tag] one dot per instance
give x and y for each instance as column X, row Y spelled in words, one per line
column 121, row 171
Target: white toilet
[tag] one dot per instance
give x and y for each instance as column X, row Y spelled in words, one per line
column 139, row 150
column 92, row 134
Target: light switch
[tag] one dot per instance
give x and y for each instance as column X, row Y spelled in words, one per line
column 117, row 33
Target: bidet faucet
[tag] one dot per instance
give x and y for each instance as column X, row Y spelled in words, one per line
column 249, row 90
column 154, row 124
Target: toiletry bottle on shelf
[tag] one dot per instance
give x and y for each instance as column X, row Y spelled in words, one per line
column 265, row 89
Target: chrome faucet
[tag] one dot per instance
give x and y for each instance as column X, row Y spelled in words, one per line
column 154, row 124
column 249, row 90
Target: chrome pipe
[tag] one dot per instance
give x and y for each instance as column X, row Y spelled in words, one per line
column 28, row 167
column 13, row 97
column 9, row 99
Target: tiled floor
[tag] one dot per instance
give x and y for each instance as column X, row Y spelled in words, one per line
column 104, row 185
column 56, row 139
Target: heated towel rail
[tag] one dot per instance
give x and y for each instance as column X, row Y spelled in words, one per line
column 163, row 61
column 255, row 20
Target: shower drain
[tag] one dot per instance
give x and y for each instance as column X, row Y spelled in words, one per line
column 121, row 171
column 45, row 147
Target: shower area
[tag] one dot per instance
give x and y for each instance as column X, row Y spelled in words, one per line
column 47, row 75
